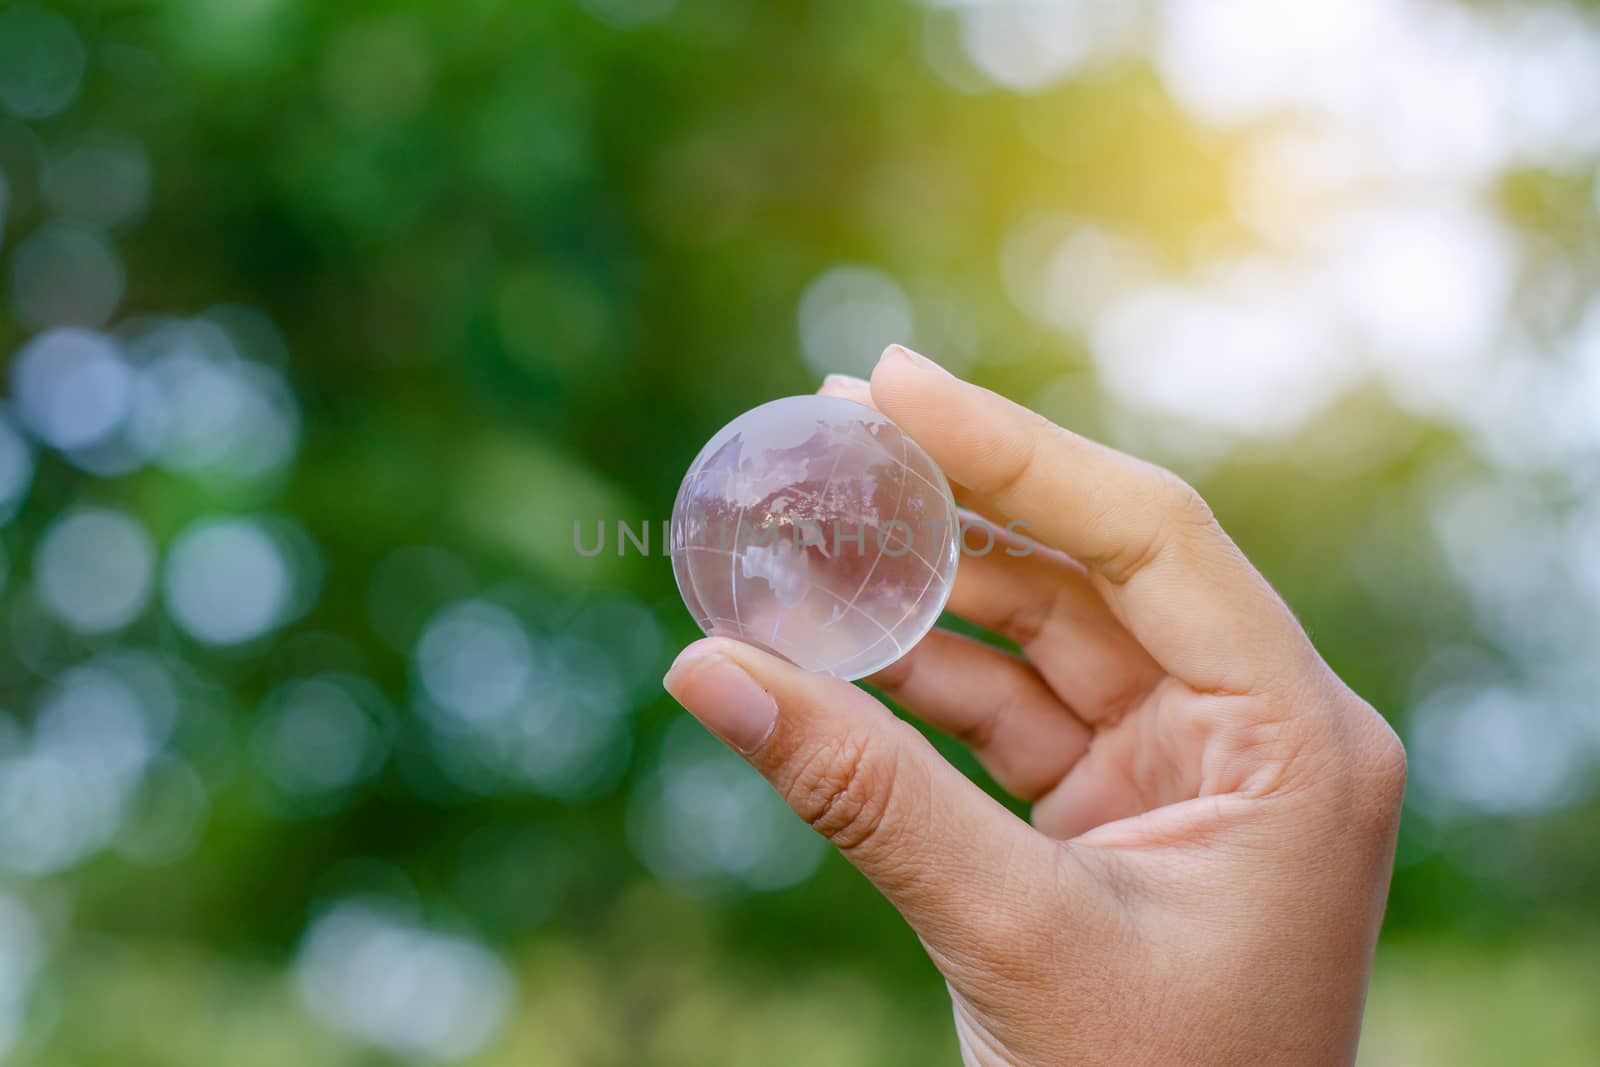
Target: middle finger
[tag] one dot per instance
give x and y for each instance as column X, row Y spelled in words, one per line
column 1044, row 601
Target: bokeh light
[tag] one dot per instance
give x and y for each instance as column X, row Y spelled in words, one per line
column 227, row 581
column 22, row 955
column 401, row 987
column 208, row 410
column 323, row 325
column 318, row 737
column 42, row 61
column 702, row 819
column 514, row 709
column 475, row 661
column 100, row 179
column 72, row 387
column 94, row 569
column 1474, row 750
column 848, row 315
column 64, row 274
column 16, row 468
column 1030, row 44
column 64, row 793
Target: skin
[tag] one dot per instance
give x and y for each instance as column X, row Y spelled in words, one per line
column 1213, row 811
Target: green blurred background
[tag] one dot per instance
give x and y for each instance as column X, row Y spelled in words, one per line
column 325, row 322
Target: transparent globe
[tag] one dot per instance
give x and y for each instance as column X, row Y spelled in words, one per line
column 812, row 527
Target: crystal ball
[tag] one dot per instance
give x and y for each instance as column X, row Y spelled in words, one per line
column 814, row 528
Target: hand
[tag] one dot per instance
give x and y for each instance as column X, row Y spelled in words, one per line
column 1214, row 812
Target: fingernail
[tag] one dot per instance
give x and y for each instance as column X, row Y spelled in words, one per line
column 916, row 359
column 843, row 383
column 726, row 700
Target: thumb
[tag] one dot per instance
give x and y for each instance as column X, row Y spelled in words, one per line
column 937, row 846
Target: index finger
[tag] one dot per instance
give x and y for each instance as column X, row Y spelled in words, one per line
column 1150, row 542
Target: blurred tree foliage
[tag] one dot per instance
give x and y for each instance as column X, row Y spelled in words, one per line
column 525, row 259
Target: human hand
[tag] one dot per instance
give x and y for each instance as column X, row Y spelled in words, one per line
column 1214, row 811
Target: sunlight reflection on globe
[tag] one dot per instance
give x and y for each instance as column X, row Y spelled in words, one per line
column 814, row 528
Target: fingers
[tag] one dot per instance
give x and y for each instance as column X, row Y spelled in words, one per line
column 941, row 850
column 1113, row 782
column 1045, row 602
column 993, row 702
column 1175, row 579
column 847, row 387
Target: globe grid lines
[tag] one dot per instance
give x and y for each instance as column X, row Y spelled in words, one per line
column 900, row 494
column 883, row 608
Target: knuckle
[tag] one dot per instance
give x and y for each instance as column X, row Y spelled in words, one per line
column 842, row 788
column 899, row 674
column 1017, row 457
column 1380, row 767
column 1182, row 507
column 978, row 733
column 1171, row 511
column 1024, row 623
column 1389, row 759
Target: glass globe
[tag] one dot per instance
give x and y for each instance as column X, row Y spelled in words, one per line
column 812, row 527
